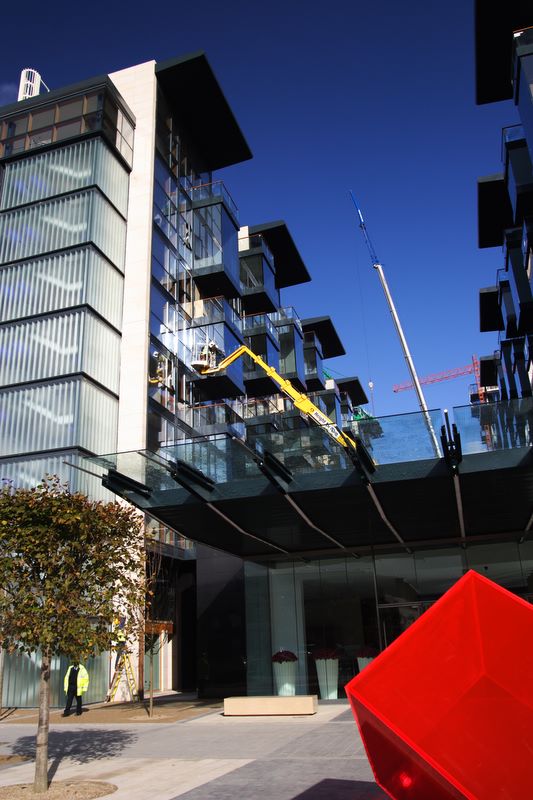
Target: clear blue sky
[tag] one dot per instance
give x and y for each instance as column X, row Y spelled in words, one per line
column 373, row 97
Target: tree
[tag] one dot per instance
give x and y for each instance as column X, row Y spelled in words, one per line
column 66, row 565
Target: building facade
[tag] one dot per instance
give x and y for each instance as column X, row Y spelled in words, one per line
column 122, row 261
column 121, row 258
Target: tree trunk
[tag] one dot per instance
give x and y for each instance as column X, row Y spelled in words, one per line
column 2, row 662
column 41, row 754
column 151, row 711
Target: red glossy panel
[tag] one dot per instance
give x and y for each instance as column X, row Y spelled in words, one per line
column 446, row 712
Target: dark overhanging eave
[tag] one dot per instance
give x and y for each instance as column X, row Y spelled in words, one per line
column 494, row 26
column 290, row 267
column 354, row 388
column 190, row 86
column 324, row 330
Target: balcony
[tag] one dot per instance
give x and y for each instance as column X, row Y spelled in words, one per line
column 314, row 373
column 523, row 82
column 285, row 315
column 213, row 310
column 255, row 324
column 329, row 401
column 259, row 293
column 519, row 281
column 223, row 385
column 216, row 269
column 291, row 362
column 257, row 382
column 209, row 193
column 518, row 172
column 215, row 418
column 508, row 310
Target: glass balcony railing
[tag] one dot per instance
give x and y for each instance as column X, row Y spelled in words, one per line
column 287, row 315
column 251, row 322
column 258, row 240
column 510, row 134
column 260, row 407
column 203, row 417
column 211, row 311
column 400, row 437
column 210, row 191
column 495, row 426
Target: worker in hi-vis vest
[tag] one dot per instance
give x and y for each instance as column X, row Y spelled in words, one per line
column 76, row 682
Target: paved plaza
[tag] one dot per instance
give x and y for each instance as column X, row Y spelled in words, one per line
column 211, row 757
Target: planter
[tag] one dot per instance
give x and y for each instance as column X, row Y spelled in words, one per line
column 327, row 670
column 363, row 662
column 285, row 678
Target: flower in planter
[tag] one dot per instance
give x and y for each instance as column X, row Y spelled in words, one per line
column 326, row 653
column 282, row 656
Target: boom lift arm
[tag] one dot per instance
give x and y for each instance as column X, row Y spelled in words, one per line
column 206, row 366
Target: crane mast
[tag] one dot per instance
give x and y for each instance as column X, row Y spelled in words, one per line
column 397, row 324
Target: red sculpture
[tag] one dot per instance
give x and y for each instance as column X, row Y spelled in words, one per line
column 446, row 711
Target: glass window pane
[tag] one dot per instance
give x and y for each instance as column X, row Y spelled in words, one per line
column 17, row 125
column 40, row 119
column 93, row 102
column 71, row 109
column 127, row 131
column 15, row 146
column 40, row 137
column 93, row 122
column 68, row 129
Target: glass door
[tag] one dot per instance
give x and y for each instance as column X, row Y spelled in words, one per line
column 395, row 618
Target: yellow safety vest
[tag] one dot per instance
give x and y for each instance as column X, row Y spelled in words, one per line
column 83, row 680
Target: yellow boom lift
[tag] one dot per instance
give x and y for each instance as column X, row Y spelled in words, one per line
column 206, row 365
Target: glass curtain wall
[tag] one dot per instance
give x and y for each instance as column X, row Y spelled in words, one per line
column 357, row 606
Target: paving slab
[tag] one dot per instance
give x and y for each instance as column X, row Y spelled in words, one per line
column 212, row 757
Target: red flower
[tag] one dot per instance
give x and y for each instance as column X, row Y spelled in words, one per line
column 326, row 652
column 283, row 655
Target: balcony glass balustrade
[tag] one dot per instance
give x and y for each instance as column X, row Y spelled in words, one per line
column 216, row 268
column 212, row 310
column 258, row 241
column 284, row 315
column 505, row 425
column 400, row 437
column 215, row 191
column 253, row 324
column 390, row 440
column 258, row 283
column 214, row 418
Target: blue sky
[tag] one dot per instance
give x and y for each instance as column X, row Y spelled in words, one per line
column 374, row 98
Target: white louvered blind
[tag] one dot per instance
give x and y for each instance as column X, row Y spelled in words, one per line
column 63, row 414
column 63, row 280
column 64, row 222
column 50, row 347
column 66, row 169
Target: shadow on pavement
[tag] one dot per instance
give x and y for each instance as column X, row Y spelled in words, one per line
column 331, row 789
column 80, row 746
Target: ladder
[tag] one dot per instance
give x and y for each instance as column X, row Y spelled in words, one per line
column 123, row 667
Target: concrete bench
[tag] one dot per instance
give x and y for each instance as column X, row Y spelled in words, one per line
column 270, row 705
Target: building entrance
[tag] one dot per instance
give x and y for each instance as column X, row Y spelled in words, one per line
column 395, row 618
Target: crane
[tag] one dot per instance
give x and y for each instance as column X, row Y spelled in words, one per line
column 396, row 319
column 437, row 377
column 484, row 394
